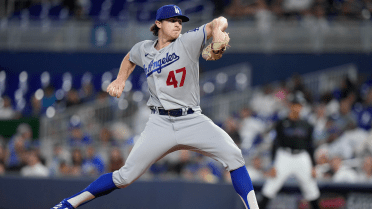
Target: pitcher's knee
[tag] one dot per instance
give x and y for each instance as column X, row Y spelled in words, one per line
column 234, row 159
column 123, row 178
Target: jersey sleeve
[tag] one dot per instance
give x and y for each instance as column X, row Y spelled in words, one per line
column 135, row 54
column 194, row 41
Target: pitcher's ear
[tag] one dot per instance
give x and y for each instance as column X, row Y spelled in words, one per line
column 158, row 23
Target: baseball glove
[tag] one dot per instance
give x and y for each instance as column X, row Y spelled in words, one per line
column 215, row 49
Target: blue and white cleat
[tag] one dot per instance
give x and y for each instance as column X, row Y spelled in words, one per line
column 63, row 205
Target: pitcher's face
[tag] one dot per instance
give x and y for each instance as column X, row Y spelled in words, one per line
column 170, row 27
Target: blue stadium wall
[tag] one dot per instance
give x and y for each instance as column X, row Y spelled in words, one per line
column 266, row 67
column 36, row 193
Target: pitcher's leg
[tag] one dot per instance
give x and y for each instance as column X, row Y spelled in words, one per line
column 101, row 186
column 156, row 140
column 142, row 156
column 209, row 139
column 243, row 186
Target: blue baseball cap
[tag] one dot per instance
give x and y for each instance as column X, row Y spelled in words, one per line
column 169, row 11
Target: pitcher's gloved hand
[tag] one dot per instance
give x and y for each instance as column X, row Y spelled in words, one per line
column 218, row 46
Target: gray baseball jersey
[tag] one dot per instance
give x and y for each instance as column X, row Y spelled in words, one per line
column 173, row 71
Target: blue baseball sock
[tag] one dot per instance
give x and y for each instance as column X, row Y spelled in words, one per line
column 243, row 186
column 101, row 186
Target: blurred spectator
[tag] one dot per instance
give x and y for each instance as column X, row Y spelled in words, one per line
column 365, row 148
column 116, row 160
column 93, row 164
column 198, row 167
column 122, row 134
column 189, row 171
column 232, row 128
column 332, row 131
column 264, row 103
column 49, row 97
column 250, row 127
column 322, row 167
column 72, row 5
column 347, row 88
column 345, row 119
column 366, row 86
column 60, row 154
column 17, row 147
column 341, row 172
column 6, row 110
column 321, row 8
column 106, row 142
column 178, row 160
column 34, row 167
column 352, row 9
column 36, row 146
column 205, row 174
column 104, row 114
column 366, row 173
column 87, row 92
column 332, row 104
column 255, row 169
column 297, row 85
column 348, row 143
column 77, row 162
column 64, row 169
column 72, row 98
column 36, row 107
column 80, row 7
column 289, row 8
column 365, row 116
column 160, row 168
column 319, row 120
column 77, row 137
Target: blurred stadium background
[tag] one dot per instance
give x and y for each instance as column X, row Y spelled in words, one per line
column 59, row 130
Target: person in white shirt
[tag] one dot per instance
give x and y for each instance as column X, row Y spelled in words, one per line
column 255, row 169
column 6, row 110
column 34, row 168
column 342, row 173
column 366, row 173
column 322, row 167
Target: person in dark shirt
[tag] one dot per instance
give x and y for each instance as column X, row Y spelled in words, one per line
column 292, row 154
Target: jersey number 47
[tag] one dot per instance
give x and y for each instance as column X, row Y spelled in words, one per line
column 171, row 80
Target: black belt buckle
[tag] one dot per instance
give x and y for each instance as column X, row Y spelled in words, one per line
column 174, row 112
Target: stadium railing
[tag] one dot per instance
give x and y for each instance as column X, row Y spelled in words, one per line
column 246, row 36
column 327, row 80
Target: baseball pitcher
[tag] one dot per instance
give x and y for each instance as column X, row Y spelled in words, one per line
column 171, row 64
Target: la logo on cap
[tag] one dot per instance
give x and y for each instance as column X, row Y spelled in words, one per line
column 176, row 10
